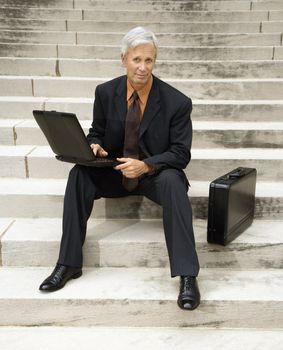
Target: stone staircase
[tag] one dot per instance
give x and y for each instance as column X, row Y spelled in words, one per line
column 228, row 57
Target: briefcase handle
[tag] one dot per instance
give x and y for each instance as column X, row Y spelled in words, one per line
column 239, row 172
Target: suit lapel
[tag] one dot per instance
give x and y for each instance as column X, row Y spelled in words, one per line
column 152, row 107
column 120, row 99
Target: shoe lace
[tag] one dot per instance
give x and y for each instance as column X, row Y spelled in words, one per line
column 58, row 272
column 188, row 282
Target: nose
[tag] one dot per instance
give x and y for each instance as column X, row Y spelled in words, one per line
column 142, row 66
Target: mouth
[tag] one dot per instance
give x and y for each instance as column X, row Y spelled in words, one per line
column 141, row 76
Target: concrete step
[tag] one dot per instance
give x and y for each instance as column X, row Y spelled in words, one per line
column 206, row 134
column 71, row 3
column 44, row 198
column 270, row 5
column 174, row 16
column 218, row 160
column 237, row 110
column 195, row 39
column 179, row 27
column 142, row 15
column 200, row 89
column 113, row 38
column 39, row 162
column 28, row 50
column 65, row 14
column 166, row 69
column 9, row 86
column 37, row 4
column 136, row 297
column 70, row 338
column 272, row 27
column 137, row 243
column 13, row 160
column 213, row 134
column 7, row 131
column 164, row 52
column 33, row 24
column 40, row 159
column 260, row 39
column 169, row 69
column 275, row 15
column 278, row 54
column 41, row 37
column 170, row 5
column 20, row 107
column 159, row 27
column 184, row 5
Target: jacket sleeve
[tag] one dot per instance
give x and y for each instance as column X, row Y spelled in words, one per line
column 97, row 130
column 178, row 153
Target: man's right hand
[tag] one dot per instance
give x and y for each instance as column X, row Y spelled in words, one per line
column 98, row 150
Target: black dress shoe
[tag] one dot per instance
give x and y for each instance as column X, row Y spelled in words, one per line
column 189, row 296
column 59, row 277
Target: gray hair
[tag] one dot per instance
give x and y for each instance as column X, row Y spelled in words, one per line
column 138, row 36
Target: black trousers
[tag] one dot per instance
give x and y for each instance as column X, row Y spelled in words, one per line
column 168, row 189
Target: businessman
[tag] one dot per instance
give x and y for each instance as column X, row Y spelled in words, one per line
column 145, row 124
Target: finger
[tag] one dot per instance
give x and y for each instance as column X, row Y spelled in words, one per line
column 98, row 150
column 121, row 166
column 94, row 148
column 123, row 160
column 124, row 163
column 102, row 153
column 129, row 175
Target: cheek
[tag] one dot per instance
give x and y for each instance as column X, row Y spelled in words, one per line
column 133, row 68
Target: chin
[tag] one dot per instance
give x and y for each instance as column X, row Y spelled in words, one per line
column 141, row 80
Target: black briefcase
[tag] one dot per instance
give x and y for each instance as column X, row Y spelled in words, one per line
column 231, row 205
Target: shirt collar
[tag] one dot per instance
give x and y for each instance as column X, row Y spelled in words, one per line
column 142, row 93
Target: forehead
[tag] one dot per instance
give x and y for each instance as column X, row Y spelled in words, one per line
column 143, row 50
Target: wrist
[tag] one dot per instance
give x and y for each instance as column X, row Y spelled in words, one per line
column 148, row 168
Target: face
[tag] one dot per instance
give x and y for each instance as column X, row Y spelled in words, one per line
column 139, row 62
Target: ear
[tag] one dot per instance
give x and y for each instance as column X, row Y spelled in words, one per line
column 123, row 59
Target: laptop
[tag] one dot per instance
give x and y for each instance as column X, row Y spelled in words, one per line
column 67, row 139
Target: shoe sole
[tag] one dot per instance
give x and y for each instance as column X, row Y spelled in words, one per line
column 76, row 275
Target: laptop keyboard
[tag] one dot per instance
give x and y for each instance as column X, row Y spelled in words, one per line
column 103, row 160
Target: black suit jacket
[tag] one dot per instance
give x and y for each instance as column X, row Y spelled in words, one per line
column 165, row 130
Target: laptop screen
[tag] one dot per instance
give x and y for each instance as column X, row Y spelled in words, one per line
column 64, row 134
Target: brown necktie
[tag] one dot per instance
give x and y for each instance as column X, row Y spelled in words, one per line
column 131, row 141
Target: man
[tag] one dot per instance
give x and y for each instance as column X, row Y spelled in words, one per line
column 145, row 124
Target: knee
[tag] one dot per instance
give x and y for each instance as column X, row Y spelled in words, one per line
column 78, row 173
column 172, row 178
column 77, row 170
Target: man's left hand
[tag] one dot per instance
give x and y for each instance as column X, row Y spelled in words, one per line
column 132, row 168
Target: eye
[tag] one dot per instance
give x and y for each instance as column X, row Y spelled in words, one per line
column 149, row 60
column 136, row 59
